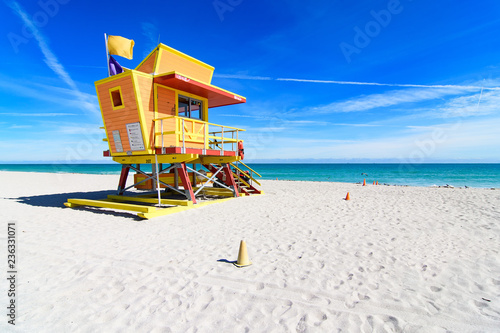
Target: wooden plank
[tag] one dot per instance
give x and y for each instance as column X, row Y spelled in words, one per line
column 148, row 159
column 171, row 210
column 218, row 159
column 216, row 191
column 150, row 200
column 112, row 205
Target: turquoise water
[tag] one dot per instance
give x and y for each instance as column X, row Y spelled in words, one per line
column 458, row 175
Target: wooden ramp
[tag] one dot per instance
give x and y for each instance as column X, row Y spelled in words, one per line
column 120, row 202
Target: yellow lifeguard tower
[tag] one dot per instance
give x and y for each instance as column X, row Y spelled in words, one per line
column 158, row 115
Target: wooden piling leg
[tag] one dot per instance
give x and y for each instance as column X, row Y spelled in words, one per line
column 181, row 168
column 230, row 179
column 176, row 181
column 194, row 175
column 123, row 178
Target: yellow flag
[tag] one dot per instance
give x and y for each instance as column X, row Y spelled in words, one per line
column 120, row 46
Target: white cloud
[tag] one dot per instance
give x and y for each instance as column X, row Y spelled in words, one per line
column 472, row 105
column 390, row 98
column 150, row 31
column 36, row 114
column 52, row 94
column 52, row 61
column 81, row 129
column 472, row 139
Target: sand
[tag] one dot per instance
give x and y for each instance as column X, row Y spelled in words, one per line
column 392, row 259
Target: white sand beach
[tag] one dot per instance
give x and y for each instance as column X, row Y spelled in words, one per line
column 392, row 259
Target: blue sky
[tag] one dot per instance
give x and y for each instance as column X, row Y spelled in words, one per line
column 342, row 81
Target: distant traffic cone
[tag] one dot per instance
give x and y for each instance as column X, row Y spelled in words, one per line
column 243, row 256
column 377, row 182
column 347, row 197
column 364, row 182
column 373, row 182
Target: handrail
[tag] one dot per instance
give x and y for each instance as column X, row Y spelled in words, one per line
column 241, row 179
column 250, row 169
column 163, row 118
column 230, row 131
column 204, row 122
column 196, row 131
column 243, row 172
column 226, row 140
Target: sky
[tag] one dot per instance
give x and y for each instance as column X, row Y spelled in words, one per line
column 325, row 81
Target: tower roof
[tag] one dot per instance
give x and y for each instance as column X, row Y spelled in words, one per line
column 164, row 59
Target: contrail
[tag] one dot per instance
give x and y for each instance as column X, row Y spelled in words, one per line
column 402, row 85
column 454, row 86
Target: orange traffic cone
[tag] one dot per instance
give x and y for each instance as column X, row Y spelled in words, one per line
column 373, row 182
column 243, row 256
column 377, row 182
column 347, row 197
column 364, row 182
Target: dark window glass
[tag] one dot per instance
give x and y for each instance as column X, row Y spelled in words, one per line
column 117, row 98
column 190, row 107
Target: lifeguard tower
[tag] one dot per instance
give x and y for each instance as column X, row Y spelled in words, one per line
column 156, row 119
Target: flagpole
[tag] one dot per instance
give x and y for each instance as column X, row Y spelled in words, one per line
column 107, row 53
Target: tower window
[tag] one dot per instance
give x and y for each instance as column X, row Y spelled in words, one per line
column 116, row 98
column 190, row 107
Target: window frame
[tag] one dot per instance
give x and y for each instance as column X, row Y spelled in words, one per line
column 190, row 97
column 111, row 91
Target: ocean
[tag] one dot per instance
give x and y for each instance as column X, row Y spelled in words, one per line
column 457, row 175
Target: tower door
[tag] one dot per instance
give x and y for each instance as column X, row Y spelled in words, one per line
column 164, row 101
column 165, row 107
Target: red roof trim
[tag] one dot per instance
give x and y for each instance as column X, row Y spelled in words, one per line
column 216, row 96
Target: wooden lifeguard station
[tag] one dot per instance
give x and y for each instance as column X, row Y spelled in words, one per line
column 156, row 119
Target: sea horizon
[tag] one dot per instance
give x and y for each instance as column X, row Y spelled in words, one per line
column 478, row 175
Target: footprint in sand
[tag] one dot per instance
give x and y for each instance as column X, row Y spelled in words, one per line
column 367, row 325
column 302, row 325
column 317, row 317
column 279, row 311
column 432, row 308
column 341, row 282
column 436, row 289
column 260, row 286
column 484, row 309
column 203, row 302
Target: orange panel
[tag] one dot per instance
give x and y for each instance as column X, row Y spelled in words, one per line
column 166, row 102
column 148, row 66
column 145, row 87
column 117, row 119
column 169, row 61
column 168, row 139
column 168, row 178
